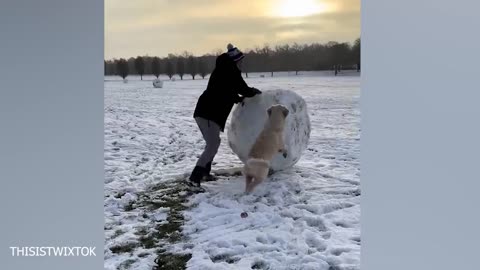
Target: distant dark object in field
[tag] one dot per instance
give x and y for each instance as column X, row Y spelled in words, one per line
column 157, row 83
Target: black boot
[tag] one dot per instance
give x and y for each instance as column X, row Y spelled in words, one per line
column 208, row 167
column 208, row 177
column 197, row 175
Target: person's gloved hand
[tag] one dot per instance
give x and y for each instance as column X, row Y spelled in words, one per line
column 239, row 99
column 256, row 91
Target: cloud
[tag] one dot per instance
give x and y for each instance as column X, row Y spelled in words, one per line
column 160, row 27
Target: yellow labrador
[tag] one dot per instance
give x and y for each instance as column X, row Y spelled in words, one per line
column 268, row 143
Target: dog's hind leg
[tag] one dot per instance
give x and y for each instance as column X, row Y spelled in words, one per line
column 281, row 145
column 259, row 178
column 248, row 183
column 283, row 151
column 255, row 183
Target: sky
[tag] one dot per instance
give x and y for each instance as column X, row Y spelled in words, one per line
column 160, row 27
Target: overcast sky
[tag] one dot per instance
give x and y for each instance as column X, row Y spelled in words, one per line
column 159, row 27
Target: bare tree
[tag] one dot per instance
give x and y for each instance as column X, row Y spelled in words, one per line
column 266, row 56
column 356, row 53
column 280, row 58
column 180, row 67
column 122, row 68
column 192, row 66
column 248, row 63
column 156, row 68
column 245, row 66
column 340, row 53
column 140, row 66
column 169, row 68
column 202, row 67
column 294, row 57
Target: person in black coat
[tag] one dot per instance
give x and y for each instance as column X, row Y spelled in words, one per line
column 225, row 88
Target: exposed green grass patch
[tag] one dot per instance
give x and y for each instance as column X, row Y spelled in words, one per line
column 172, row 261
column 260, row 265
column 129, row 206
column 172, row 195
column 124, row 248
column 126, row 264
column 225, row 258
column 117, row 233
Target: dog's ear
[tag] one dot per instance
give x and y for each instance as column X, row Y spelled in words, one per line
column 269, row 111
column 285, row 111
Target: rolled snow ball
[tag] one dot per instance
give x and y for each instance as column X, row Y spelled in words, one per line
column 172, row 79
column 125, row 80
column 248, row 121
column 157, row 83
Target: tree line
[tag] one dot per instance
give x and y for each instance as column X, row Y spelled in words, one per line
column 308, row 57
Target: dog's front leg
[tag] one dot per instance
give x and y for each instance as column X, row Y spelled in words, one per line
column 248, row 183
column 282, row 146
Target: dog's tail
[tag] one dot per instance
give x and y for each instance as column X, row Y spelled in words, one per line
column 256, row 162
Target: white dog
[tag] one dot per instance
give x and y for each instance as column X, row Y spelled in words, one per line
column 268, row 143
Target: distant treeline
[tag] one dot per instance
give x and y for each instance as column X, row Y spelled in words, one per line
column 330, row 56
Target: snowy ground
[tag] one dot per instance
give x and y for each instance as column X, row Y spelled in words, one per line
column 306, row 217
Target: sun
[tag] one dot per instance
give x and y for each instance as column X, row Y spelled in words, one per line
column 299, row 8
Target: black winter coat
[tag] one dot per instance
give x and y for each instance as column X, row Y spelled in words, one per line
column 223, row 90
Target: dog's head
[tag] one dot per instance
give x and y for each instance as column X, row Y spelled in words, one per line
column 276, row 116
column 278, row 109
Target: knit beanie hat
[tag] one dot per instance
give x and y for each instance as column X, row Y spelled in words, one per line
column 234, row 53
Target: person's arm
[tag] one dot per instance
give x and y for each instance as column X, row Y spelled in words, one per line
column 242, row 88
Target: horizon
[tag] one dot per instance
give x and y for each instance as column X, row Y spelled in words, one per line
column 212, row 52
column 158, row 28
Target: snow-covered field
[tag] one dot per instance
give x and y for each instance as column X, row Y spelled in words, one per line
column 306, row 217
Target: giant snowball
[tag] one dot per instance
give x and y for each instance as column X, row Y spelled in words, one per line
column 157, row 83
column 248, row 121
